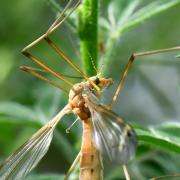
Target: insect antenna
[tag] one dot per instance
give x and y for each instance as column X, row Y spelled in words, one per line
column 93, row 65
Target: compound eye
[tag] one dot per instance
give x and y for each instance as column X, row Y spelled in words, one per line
column 129, row 134
column 97, row 81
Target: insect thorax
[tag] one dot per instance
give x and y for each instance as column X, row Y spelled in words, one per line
column 76, row 99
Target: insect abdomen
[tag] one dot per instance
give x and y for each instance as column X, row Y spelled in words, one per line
column 91, row 167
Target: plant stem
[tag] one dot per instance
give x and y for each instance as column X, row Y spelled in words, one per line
column 88, row 32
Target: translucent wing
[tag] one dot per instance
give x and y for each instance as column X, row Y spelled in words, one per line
column 114, row 138
column 19, row 164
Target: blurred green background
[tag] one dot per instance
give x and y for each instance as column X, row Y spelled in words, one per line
column 150, row 95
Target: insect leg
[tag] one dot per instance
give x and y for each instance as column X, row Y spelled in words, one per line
column 44, row 71
column 71, row 169
column 166, row 176
column 37, row 61
column 35, row 72
column 52, row 28
column 59, row 21
column 127, row 176
column 68, row 60
column 130, row 62
column 125, row 73
column 54, row 25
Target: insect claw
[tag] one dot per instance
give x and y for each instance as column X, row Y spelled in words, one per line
column 68, row 130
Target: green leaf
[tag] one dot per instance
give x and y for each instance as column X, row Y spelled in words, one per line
column 64, row 145
column 120, row 10
column 128, row 11
column 148, row 12
column 53, row 4
column 16, row 113
column 178, row 56
column 104, row 23
column 128, row 19
column 165, row 136
column 48, row 103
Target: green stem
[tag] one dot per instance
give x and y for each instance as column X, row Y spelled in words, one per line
column 88, row 32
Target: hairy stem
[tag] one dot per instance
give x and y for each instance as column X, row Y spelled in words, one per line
column 88, row 32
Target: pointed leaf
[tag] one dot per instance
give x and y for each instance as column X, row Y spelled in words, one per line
column 16, row 113
column 148, row 12
column 165, row 136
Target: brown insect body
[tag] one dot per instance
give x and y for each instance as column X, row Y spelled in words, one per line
column 91, row 166
column 76, row 99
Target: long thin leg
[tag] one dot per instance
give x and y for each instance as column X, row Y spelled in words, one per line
column 130, row 62
column 35, row 72
column 54, row 25
column 58, row 21
column 68, row 60
column 52, row 28
column 127, row 176
column 37, row 61
column 166, row 176
column 71, row 169
column 125, row 73
column 60, row 16
column 44, row 71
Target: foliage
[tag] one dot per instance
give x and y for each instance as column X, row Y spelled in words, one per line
column 149, row 99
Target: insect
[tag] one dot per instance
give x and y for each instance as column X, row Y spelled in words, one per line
column 104, row 132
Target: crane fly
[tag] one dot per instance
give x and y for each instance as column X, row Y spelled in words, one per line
column 104, row 132
column 84, row 103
